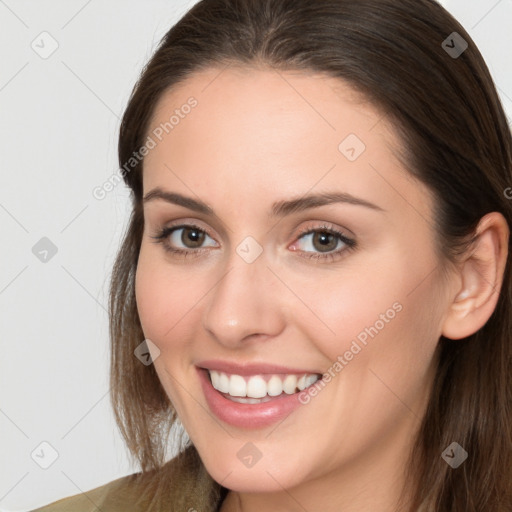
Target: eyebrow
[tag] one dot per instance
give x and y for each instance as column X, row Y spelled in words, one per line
column 279, row 209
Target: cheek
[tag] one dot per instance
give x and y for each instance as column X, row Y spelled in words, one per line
column 351, row 305
column 165, row 305
column 383, row 316
column 164, row 295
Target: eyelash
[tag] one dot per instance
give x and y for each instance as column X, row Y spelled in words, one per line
column 350, row 244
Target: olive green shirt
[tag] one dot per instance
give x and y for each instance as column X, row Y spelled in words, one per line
column 179, row 486
column 116, row 496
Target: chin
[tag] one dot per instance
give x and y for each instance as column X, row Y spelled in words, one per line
column 264, row 476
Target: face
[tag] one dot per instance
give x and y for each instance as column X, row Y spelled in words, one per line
column 239, row 286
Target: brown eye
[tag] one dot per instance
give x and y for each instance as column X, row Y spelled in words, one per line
column 192, row 237
column 184, row 239
column 324, row 241
column 321, row 240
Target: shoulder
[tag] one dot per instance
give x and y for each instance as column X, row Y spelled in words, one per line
column 176, row 485
column 117, row 496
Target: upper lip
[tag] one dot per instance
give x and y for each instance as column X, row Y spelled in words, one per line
column 251, row 368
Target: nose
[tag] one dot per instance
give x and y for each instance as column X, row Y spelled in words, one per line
column 245, row 304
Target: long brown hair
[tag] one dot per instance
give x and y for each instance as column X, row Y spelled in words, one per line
column 447, row 112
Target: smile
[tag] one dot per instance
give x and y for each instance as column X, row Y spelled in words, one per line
column 259, row 388
column 253, row 396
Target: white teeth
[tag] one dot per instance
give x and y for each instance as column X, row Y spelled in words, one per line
column 274, row 386
column 290, row 384
column 256, row 389
column 223, row 383
column 237, row 386
column 214, row 375
column 310, row 379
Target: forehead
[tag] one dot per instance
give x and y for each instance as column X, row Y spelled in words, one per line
column 259, row 98
column 260, row 129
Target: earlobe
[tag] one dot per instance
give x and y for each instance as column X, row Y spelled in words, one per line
column 481, row 277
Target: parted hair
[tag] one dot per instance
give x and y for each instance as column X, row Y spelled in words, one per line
column 456, row 140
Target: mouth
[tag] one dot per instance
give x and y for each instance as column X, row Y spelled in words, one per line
column 259, row 388
column 255, row 397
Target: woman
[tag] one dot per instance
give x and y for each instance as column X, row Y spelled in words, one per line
column 315, row 280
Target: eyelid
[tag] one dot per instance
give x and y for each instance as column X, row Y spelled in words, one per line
column 187, row 223
column 323, row 225
column 167, row 230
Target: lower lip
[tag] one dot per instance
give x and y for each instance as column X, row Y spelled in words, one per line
column 250, row 416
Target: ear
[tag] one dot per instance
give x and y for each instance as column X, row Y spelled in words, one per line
column 480, row 279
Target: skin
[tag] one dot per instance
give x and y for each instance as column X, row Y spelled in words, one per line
column 257, row 137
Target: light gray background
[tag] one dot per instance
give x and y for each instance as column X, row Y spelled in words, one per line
column 59, row 119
